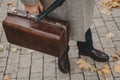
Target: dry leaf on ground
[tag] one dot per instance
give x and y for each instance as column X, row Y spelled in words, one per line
column 30, row 51
column 85, row 65
column 106, row 11
column 1, row 70
column 118, row 52
column 115, row 57
column 9, row 3
column 117, row 67
column 110, row 35
column 108, row 5
column 106, row 49
column 1, row 48
column 6, row 77
column 104, row 70
column 14, row 49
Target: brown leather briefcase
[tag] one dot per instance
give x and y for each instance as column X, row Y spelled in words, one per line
column 49, row 35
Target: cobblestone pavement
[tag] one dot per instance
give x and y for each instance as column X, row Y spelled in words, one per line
column 22, row 65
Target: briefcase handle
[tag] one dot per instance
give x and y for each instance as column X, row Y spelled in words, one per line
column 52, row 7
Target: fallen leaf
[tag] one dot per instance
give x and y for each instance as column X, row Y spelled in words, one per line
column 108, row 5
column 115, row 57
column 1, row 70
column 1, row 48
column 117, row 67
column 9, row 3
column 106, row 49
column 110, row 35
column 6, row 77
column 30, row 51
column 14, row 49
column 106, row 11
column 105, row 70
column 118, row 52
column 106, row 77
column 85, row 65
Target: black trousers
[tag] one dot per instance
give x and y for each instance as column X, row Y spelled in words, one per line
column 88, row 44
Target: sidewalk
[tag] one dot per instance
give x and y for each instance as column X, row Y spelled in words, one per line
column 23, row 65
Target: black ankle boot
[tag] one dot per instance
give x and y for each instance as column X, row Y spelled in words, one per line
column 63, row 62
column 88, row 50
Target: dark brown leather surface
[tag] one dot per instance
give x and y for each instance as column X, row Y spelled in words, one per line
column 43, row 36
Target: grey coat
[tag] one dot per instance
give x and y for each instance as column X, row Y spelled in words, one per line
column 78, row 12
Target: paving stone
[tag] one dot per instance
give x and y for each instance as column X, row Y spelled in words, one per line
column 73, row 52
column 13, row 79
column 99, row 65
column 98, row 46
column 91, row 77
column 3, row 62
column 48, row 58
column 115, row 12
column 36, row 76
column 117, row 21
column 88, row 73
column 110, row 77
column 4, row 53
column 111, row 26
column 12, row 68
column 12, row 75
column 102, row 30
column 2, row 69
column 49, row 69
column 112, row 65
column 25, row 51
column 110, row 52
column 93, row 29
column 96, row 12
column 95, row 38
column 116, row 36
column 75, row 71
column 23, row 73
column 61, row 76
column 4, row 39
column 107, row 17
column 88, row 59
column 37, row 55
column 117, row 78
column 1, row 76
column 37, row 65
column 71, row 42
column 73, row 64
column 25, row 61
column 50, row 78
column 102, row 35
column 106, row 42
column 26, row 78
column 14, row 57
column 98, row 22
column 77, row 77
column 117, row 45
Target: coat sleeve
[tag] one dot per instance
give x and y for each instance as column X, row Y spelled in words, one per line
column 29, row 2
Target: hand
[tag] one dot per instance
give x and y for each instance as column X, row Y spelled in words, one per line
column 37, row 8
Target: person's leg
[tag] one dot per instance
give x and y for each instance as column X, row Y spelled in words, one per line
column 86, row 48
column 63, row 62
column 88, row 44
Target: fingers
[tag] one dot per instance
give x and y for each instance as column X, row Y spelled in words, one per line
column 32, row 9
column 40, row 6
column 35, row 8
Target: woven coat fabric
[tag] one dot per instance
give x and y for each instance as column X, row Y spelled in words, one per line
column 78, row 12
